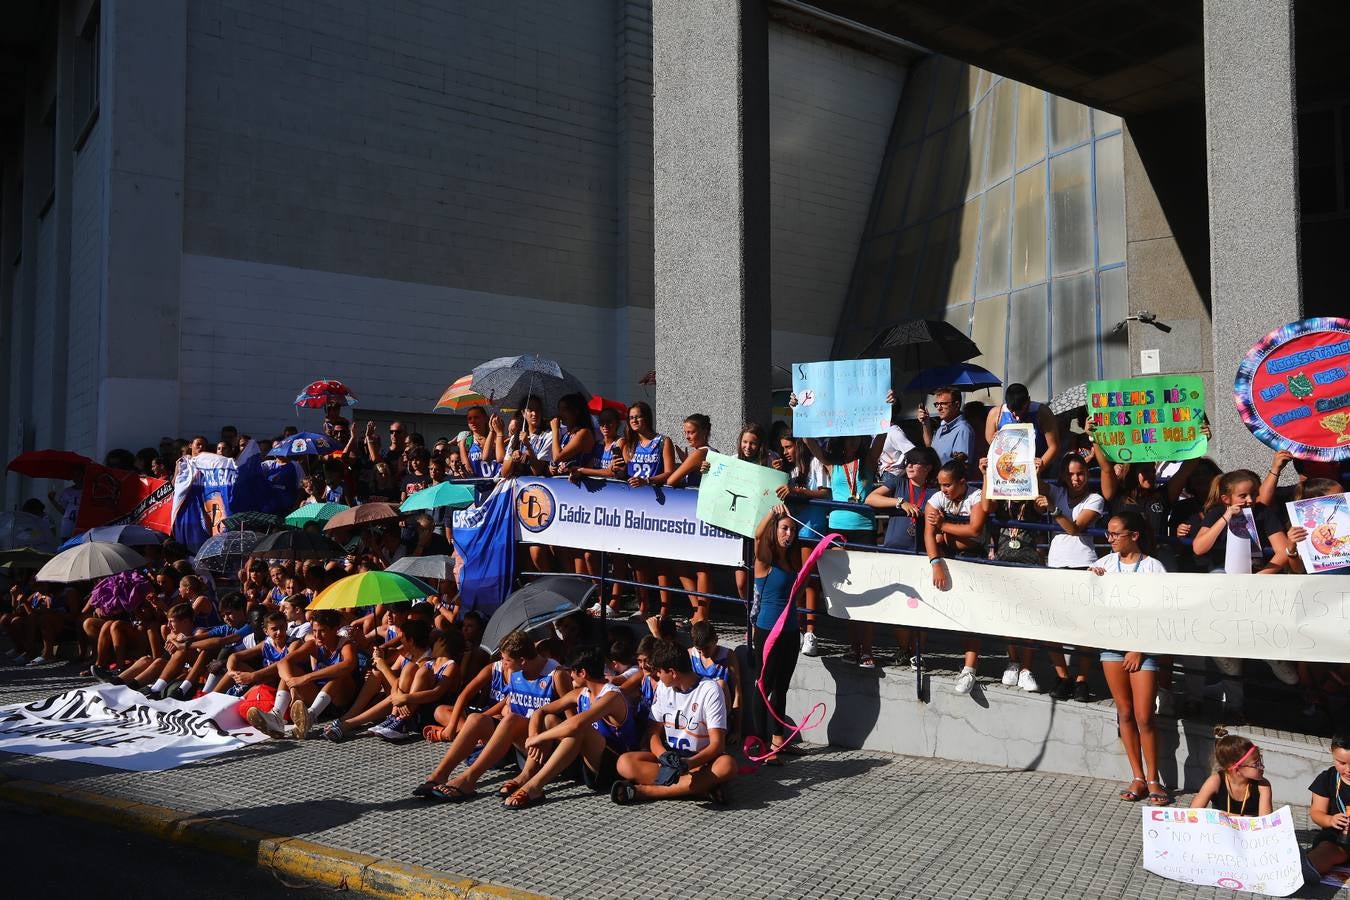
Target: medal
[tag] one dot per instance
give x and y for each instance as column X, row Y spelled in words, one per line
column 1014, row 544
column 851, row 476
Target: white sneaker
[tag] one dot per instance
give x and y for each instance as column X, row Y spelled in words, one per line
column 914, row 664
column 809, row 647
column 1287, row 672
column 269, row 723
column 1010, row 674
column 965, row 681
column 1027, row 682
column 1165, row 703
column 38, row 661
column 300, row 716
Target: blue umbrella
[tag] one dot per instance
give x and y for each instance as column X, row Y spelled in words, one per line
column 967, row 375
column 306, row 443
column 508, row 380
column 130, row 535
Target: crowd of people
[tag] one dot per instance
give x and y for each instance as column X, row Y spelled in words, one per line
column 660, row 717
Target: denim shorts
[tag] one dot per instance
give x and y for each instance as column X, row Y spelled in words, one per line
column 1114, row 656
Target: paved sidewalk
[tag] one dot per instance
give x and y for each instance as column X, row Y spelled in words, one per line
column 835, row 823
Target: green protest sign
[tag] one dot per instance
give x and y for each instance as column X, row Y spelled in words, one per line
column 735, row 495
column 1150, row 419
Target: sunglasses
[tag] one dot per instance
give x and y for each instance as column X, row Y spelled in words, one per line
column 1114, row 535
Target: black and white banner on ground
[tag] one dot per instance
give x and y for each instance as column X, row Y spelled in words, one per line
column 114, row 726
column 1290, row 617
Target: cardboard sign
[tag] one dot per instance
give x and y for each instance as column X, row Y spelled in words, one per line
column 1327, row 521
column 1148, row 419
column 736, row 494
column 841, row 399
column 1011, row 474
column 1258, row 854
column 1293, row 389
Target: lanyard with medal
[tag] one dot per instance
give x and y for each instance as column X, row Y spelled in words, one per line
column 914, row 502
column 851, row 476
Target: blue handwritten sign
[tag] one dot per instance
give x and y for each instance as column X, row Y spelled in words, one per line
column 841, row 398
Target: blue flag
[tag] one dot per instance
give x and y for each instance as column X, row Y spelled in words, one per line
column 266, row 485
column 203, row 488
column 485, row 540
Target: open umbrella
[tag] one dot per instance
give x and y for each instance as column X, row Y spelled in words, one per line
column 261, row 522
column 509, row 380
column 921, row 344
column 371, row 589
column 461, row 395
column 131, row 535
column 365, row 514
column 224, row 553
column 86, row 562
column 321, row 394
column 540, row 602
column 961, row 375
column 597, row 404
column 315, row 512
column 436, row 567
column 306, row 443
column 21, row 529
column 297, row 545
column 1075, row 398
column 438, row 496
column 59, row 464
column 23, row 558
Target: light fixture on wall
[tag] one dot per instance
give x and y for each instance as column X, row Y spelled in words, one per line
column 1145, row 317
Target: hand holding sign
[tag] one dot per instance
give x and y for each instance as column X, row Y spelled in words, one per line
column 841, row 399
column 735, row 494
column 1148, row 419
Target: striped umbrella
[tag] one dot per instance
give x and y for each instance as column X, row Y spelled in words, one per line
column 461, row 395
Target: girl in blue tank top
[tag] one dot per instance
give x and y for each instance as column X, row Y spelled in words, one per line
column 775, row 571
column 650, row 456
column 479, row 453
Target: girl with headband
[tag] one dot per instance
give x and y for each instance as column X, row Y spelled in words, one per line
column 1238, row 785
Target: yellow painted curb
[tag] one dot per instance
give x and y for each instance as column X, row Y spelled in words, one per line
column 287, row 856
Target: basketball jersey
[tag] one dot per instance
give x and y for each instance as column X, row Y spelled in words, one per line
column 436, row 673
column 622, row 738
column 323, row 657
column 719, row 668
column 207, row 619
column 1005, row 417
column 482, row 468
column 271, row 654
column 497, row 689
column 647, row 461
column 604, row 456
column 525, row 695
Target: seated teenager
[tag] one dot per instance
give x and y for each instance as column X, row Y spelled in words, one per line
column 594, row 721
column 686, row 737
column 202, row 647
column 257, row 664
column 365, row 637
column 145, row 673
column 535, row 682
column 317, row 673
column 419, row 680
column 711, row 660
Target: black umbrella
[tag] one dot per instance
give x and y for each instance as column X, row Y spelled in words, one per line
column 297, row 545
column 224, row 553
column 921, row 344
column 549, row 599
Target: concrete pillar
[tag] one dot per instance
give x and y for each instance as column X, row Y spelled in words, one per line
column 1251, row 139
column 711, row 186
column 144, row 102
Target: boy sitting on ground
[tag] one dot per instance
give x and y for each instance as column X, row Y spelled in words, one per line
column 418, row 681
column 257, row 664
column 313, row 675
column 686, row 737
column 145, row 672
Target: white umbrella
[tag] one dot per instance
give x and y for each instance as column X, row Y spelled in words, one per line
column 21, row 529
column 86, row 562
column 437, row 566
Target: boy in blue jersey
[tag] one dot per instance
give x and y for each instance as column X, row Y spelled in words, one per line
column 686, row 737
column 594, row 720
column 535, row 682
column 257, row 664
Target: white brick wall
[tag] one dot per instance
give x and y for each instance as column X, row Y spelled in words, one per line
column 831, row 109
column 463, row 143
column 86, row 250
column 254, row 334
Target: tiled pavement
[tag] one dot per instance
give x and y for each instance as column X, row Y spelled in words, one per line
column 834, row 823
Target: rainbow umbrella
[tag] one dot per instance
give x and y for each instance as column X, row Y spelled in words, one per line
column 315, row 512
column 371, row 589
column 461, row 395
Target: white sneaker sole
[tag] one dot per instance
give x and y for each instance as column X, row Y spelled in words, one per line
column 300, row 718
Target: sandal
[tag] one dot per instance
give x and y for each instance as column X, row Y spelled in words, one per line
column 521, row 799
column 425, row 790
column 1160, row 797
column 509, row 787
column 433, row 734
column 623, row 792
column 1132, row 794
column 451, row 793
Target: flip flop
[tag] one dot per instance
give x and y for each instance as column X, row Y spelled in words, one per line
column 1159, row 797
column 623, row 792
column 509, row 787
column 425, row 790
column 524, row 800
column 1130, row 794
column 451, row 793
column 433, row 734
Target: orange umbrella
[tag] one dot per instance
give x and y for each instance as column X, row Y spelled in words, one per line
column 461, row 395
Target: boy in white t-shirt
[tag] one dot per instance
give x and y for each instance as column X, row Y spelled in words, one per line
column 954, row 526
column 686, row 737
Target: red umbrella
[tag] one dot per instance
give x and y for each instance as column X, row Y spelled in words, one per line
column 597, row 403
column 320, row 394
column 61, row 464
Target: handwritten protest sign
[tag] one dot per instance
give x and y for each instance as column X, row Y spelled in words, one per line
column 1258, row 854
column 1148, row 419
column 1011, row 474
column 1327, row 521
column 1293, row 617
column 841, row 398
column 1293, row 389
column 735, row 495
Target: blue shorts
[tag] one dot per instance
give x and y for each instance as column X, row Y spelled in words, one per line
column 1113, row 656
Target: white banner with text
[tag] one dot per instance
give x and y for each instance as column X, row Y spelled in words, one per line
column 1288, row 617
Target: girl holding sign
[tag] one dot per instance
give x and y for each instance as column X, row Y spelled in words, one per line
column 1133, row 676
column 1238, row 785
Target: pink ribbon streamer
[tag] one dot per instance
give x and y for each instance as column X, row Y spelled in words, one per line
column 754, row 748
